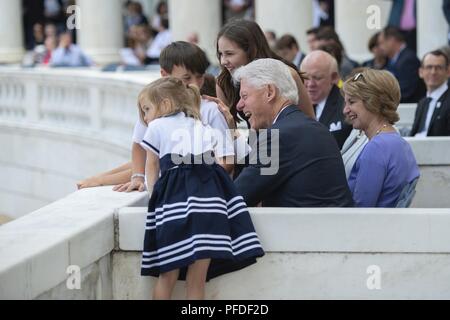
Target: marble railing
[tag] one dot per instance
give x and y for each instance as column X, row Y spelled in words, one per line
column 87, row 246
column 72, row 98
column 58, row 126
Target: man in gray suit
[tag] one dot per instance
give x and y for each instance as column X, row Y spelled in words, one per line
column 308, row 166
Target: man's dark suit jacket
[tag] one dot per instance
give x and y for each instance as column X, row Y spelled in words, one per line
column 406, row 70
column 440, row 120
column 311, row 172
column 333, row 118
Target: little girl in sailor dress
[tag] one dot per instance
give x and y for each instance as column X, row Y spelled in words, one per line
column 198, row 226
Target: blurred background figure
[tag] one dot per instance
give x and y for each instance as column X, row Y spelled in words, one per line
column 33, row 13
column 50, row 30
column 403, row 64
column 379, row 59
column 311, row 38
column 134, row 15
column 42, row 54
column 323, row 13
column 193, row 38
column 139, row 41
column 446, row 10
column 336, row 51
column 287, row 47
column 271, row 38
column 162, row 11
column 238, row 9
column 162, row 40
column 326, row 36
column 68, row 54
column 38, row 34
column 54, row 12
column 403, row 16
column 446, row 51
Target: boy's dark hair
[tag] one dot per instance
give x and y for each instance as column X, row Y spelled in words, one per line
column 182, row 53
column 437, row 53
column 393, row 32
column 287, row 41
column 209, row 87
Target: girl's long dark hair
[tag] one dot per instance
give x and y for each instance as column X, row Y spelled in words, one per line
column 250, row 38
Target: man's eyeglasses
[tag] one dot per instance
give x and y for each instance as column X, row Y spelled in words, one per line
column 438, row 67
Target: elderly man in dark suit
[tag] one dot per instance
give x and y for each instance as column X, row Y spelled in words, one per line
column 305, row 168
column 403, row 64
column 322, row 71
column 433, row 112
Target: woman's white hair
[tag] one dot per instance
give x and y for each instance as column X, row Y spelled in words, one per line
column 262, row 72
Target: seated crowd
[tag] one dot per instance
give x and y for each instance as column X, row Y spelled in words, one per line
column 325, row 127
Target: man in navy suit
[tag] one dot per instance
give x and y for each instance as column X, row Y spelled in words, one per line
column 323, row 76
column 433, row 112
column 306, row 168
column 403, row 64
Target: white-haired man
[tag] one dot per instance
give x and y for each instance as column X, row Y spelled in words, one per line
column 310, row 172
column 323, row 76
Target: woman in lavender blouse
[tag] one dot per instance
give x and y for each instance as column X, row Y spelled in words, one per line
column 386, row 164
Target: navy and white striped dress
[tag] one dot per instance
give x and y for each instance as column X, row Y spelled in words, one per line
column 194, row 211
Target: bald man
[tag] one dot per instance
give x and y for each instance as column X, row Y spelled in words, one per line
column 322, row 71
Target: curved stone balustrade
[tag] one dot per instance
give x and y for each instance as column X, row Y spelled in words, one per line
column 58, row 126
column 40, row 164
column 75, row 98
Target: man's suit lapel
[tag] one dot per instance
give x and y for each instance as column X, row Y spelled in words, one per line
column 421, row 114
column 329, row 109
column 437, row 110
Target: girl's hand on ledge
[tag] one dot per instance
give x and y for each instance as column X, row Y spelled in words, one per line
column 89, row 183
column 136, row 184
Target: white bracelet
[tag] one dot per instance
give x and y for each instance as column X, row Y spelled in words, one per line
column 138, row 175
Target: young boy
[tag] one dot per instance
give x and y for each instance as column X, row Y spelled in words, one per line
column 187, row 62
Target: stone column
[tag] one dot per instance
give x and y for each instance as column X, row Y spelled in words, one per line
column 356, row 21
column 201, row 16
column 11, row 32
column 432, row 28
column 101, row 30
column 287, row 16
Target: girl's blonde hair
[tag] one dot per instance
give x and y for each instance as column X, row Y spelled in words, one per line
column 183, row 98
column 378, row 89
